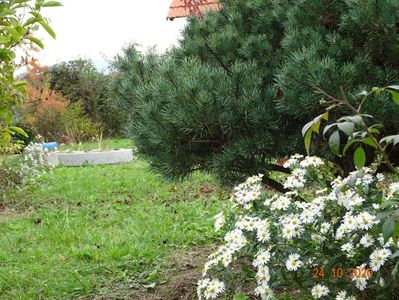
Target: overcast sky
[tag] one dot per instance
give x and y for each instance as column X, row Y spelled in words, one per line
column 100, row 28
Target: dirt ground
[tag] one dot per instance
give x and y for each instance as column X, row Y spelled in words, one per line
column 185, row 269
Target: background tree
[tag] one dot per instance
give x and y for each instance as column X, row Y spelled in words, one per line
column 49, row 114
column 80, row 81
column 19, row 19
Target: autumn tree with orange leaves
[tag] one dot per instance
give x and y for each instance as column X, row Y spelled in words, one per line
column 49, row 114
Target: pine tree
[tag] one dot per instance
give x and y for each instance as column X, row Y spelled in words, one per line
column 237, row 91
column 209, row 104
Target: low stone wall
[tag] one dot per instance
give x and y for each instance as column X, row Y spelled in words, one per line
column 79, row 158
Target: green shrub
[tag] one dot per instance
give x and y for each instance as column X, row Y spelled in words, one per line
column 19, row 169
column 77, row 126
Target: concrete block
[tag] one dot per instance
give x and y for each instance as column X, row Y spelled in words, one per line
column 79, row 158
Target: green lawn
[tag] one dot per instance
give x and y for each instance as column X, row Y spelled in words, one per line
column 93, row 230
column 106, row 144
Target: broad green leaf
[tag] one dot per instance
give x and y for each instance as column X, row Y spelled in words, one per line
column 354, row 119
column 394, row 90
column 39, row 4
column 30, row 21
column 359, row 158
column 334, row 142
column 315, row 123
column 36, row 41
column 19, row 131
column 391, row 139
column 366, row 141
column 4, row 39
column 327, row 128
column 14, row 33
column 13, row 2
column 384, row 214
column 47, row 27
column 395, row 97
column 346, row 127
column 370, row 142
column 307, row 140
column 306, row 128
column 20, row 83
column 325, row 116
column 38, row 16
column 388, row 228
column 316, row 126
column 374, row 129
column 6, row 136
column 52, row 3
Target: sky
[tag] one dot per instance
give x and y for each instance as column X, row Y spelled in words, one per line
column 98, row 29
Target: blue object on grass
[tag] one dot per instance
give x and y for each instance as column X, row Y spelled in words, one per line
column 50, row 146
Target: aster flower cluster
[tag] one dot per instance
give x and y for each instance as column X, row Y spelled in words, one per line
column 31, row 163
column 315, row 224
column 34, row 159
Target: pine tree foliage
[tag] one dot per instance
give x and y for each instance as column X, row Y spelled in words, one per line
column 236, row 92
column 329, row 44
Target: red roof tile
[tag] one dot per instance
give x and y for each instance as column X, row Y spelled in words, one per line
column 179, row 9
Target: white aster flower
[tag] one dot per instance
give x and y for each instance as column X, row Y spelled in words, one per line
column 251, row 223
column 347, row 247
column 376, row 206
column 307, row 216
column 263, row 274
column 365, row 220
column 324, row 227
column 236, row 239
column 214, row 288
column 318, row 238
column 380, row 177
column 361, row 283
column 219, row 221
column 281, row 203
column 349, row 199
column 378, row 258
column 262, row 258
column 394, row 188
column 288, row 232
column 264, row 292
column 381, row 282
column 367, row 240
column 293, row 262
column 227, row 258
column 311, row 161
column 341, row 295
column 319, row 291
column 297, row 180
column 263, row 235
column 292, row 160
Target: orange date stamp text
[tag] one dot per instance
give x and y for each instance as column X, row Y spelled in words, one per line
column 342, row 273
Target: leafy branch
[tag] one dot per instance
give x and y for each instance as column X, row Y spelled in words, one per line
column 354, row 127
